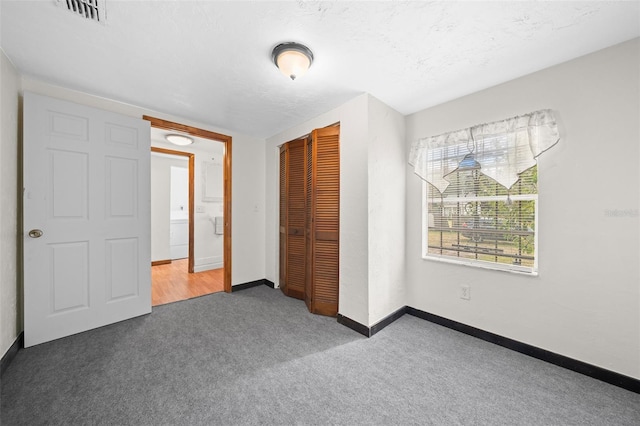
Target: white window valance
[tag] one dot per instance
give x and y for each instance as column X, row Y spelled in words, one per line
column 503, row 149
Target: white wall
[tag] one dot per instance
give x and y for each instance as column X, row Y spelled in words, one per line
column 247, row 221
column 585, row 302
column 10, row 295
column 372, row 188
column 386, row 200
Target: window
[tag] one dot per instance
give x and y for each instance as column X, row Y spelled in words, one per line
column 480, row 192
column 476, row 220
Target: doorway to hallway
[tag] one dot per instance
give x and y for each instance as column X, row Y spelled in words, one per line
column 186, row 245
column 207, row 269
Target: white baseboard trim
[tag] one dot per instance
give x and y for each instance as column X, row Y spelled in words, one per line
column 208, row 266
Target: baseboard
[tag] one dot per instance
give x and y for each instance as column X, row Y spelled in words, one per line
column 388, row 320
column 608, row 376
column 251, row 284
column 354, row 325
column 370, row 331
column 161, row 262
column 207, row 267
column 11, row 353
column 201, row 264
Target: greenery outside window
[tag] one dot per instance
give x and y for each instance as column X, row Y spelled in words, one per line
column 478, row 221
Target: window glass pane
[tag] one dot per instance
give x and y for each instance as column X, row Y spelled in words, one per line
column 478, row 219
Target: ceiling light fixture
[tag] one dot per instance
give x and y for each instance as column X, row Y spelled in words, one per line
column 293, row 59
column 179, row 140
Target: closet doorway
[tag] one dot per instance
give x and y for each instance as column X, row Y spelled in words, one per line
column 191, row 212
column 310, row 219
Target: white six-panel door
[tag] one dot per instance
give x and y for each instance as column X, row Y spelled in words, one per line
column 87, row 262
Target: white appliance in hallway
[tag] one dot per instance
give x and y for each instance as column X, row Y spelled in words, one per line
column 179, row 238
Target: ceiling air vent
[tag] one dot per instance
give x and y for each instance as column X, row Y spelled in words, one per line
column 90, row 9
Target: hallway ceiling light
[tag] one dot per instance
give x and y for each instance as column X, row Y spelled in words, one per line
column 293, row 59
column 179, row 140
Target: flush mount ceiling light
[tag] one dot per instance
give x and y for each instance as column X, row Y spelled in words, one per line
column 179, row 140
column 293, row 59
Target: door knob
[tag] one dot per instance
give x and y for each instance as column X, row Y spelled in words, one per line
column 35, row 233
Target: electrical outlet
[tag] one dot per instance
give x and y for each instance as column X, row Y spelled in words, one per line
column 465, row 292
column 200, row 209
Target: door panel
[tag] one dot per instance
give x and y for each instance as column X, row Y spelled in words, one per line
column 86, row 186
column 121, row 183
column 283, row 219
column 325, row 221
column 295, row 219
column 292, row 217
column 70, row 286
column 308, row 240
column 67, row 191
column 121, row 268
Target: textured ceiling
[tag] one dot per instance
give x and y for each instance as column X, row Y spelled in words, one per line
column 209, row 61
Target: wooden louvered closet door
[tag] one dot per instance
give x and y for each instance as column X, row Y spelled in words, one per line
column 323, row 221
column 310, row 218
column 283, row 217
column 308, row 246
column 292, row 218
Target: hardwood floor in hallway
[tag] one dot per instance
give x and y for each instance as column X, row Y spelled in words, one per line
column 172, row 282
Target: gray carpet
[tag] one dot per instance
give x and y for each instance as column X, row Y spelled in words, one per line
column 258, row 357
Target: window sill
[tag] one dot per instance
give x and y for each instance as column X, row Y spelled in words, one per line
column 483, row 265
